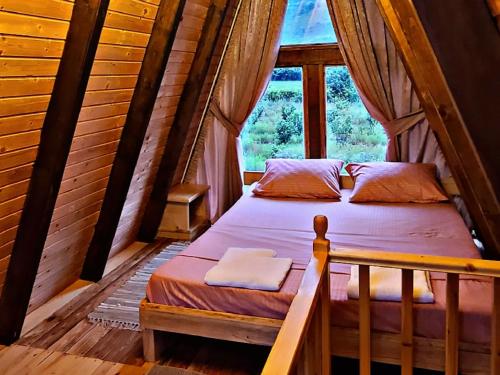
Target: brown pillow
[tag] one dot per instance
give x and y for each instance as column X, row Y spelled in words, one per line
column 291, row 178
column 395, row 182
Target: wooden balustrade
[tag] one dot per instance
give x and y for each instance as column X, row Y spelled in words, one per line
column 453, row 267
column 303, row 343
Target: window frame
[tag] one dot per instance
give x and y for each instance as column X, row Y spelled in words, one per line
column 312, row 58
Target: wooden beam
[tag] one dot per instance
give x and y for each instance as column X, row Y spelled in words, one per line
column 87, row 21
column 323, row 54
column 314, row 111
column 141, row 107
column 183, row 117
column 445, row 118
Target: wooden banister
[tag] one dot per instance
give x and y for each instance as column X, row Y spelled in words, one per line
column 307, row 306
column 431, row 263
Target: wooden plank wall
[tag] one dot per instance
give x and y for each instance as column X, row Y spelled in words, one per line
column 176, row 74
column 32, row 36
column 193, row 129
column 114, row 74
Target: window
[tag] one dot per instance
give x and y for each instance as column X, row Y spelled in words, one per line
column 352, row 134
column 326, row 120
column 307, row 22
column 275, row 128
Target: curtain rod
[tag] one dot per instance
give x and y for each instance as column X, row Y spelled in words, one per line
column 212, row 89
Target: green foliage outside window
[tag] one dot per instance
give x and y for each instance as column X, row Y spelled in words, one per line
column 275, row 128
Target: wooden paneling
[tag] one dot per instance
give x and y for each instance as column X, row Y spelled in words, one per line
column 87, row 20
column 31, row 45
column 186, row 111
column 113, row 78
column 173, row 82
column 194, row 133
column 141, row 107
column 469, row 42
column 458, row 88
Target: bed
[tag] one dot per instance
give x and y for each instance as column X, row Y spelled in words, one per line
column 178, row 300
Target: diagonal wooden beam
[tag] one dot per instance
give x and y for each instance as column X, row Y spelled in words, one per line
column 141, row 107
column 183, row 117
column 445, row 118
column 87, row 21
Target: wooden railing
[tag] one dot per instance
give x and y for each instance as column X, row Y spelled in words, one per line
column 453, row 267
column 303, row 342
column 296, row 329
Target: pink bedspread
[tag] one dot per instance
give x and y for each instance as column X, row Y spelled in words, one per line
column 285, row 225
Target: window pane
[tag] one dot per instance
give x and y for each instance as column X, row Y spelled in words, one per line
column 307, row 22
column 275, row 129
column 352, row 134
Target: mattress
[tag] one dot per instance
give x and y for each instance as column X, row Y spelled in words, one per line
column 285, row 225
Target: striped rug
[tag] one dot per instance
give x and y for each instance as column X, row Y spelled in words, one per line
column 121, row 309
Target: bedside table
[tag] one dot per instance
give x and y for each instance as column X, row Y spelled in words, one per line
column 187, row 214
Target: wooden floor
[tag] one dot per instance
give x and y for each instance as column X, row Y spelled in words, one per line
column 66, row 336
column 65, row 342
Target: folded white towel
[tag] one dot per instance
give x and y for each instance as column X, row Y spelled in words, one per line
column 249, row 269
column 385, row 285
column 238, row 252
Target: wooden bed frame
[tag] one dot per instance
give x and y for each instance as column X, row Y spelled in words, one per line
column 305, row 340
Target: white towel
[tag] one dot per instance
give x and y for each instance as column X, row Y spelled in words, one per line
column 238, row 252
column 249, row 269
column 385, row 285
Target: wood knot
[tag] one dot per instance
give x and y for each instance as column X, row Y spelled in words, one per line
column 470, row 268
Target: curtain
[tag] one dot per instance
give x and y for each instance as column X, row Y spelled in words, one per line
column 382, row 82
column 246, row 70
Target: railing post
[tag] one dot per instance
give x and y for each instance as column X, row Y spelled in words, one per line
column 407, row 323
column 321, row 244
column 452, row 325
column 495, row 328
column 364, row 321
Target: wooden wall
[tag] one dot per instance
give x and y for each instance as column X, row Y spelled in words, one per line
column 114, row 73
column 193, row 128
column 467, row 46
column 176, row 74
column 32, row 35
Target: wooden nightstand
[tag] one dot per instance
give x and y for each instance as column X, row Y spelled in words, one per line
column 187, row 214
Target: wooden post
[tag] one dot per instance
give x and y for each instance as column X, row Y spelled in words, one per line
column 407, row 323
column 364, row 320
column 452, row 133
column 183, row 117
column 314, row 111
column 322, row 244
column 495, row 328
column 452, row 326
column 139, row 113
column 87, row 21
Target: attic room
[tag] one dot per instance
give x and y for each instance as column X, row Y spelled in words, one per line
column 249, row 187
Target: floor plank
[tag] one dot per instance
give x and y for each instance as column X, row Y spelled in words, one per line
column 66, row 338
column 59, row 323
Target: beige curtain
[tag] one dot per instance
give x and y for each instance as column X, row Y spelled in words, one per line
column 246, row 71
column 382, row 82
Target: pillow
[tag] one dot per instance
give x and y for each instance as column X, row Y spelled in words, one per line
column 291, row 178
column 395, row 182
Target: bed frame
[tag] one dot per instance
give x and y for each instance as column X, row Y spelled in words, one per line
column 305, row 340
